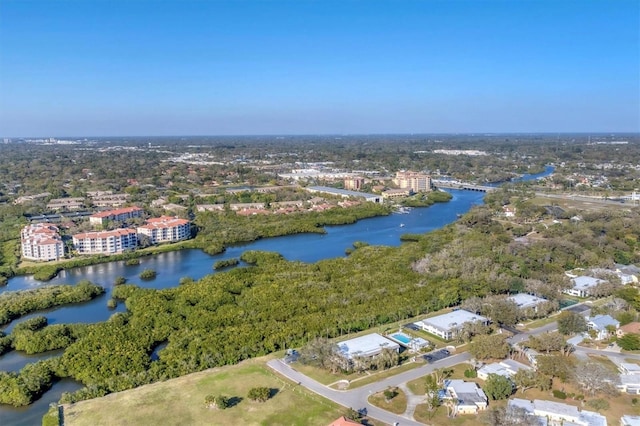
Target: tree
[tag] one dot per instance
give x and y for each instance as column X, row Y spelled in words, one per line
column 504, row 312
column 390, row 393
column 525, row 379
column 491, row 346
column 498, row 387
column 570, row 322
column 555, row 366
column 550, row 342
column 593, row 377
column 217, row 401
column 432, row 397
column 260, row 394
column 629, row 342
column 510, row 416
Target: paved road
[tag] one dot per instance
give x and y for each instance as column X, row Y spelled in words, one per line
column 358, row 398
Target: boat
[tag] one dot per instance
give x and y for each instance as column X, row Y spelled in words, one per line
column 402, row 225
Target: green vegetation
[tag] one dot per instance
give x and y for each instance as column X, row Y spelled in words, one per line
column 426, row 199
column 46, row 273
column 221, row 264
column 148, row 274
column 16, row 304
column 498, row 387
column 173, row 401
column 259, row 394
column 132, row 262
column 23, row 388
column 629, row 342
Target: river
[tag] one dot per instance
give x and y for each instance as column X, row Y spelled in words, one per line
column 171, row 266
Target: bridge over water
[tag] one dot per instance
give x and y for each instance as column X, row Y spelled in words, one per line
column 449, row 184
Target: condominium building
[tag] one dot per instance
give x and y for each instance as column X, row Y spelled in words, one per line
column 415, row 181
column 166, row 229
column 41, row 241
column 353, row 183
column 125, row 213
column 106, row 242
column 66, row 204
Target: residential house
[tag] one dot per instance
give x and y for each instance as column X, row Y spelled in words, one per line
column 366, row 346
column 506, row 368
column 631, row 273
column 582, row 285
column 526, row 301
column 601, row 325
column 557, row 413
column 448, row 325
column 469, row 397
column 629, row 383
column 629, row 368
column 632, row 327
column 628, row 420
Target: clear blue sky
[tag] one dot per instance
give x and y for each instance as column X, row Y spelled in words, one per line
column 164, row 67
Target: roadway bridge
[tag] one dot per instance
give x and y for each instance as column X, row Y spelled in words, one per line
column 450, row 184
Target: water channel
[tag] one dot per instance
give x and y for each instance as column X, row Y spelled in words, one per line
column 172, row 266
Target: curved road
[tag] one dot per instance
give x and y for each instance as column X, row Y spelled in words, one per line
column 358, row 398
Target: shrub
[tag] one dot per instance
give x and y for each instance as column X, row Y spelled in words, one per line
column 598, row 404
column 390, row 393
column 260, row 394
column 470, row 373
column 216, row 401
column 634, row 401
column 559, row 394
column 148, row 274
column 119, row 281
column 132, row 262
column 112, row 303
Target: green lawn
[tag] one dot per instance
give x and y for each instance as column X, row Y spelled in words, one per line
column 181, row 401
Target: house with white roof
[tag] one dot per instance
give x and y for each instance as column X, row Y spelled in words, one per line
column 469, row 397
column 527, row 301
column 628, row 420
column 367, row 346
column 582, row 285
column 506, row 368
column 629, row 383
column 600, row 324
column 629, row 368
column 557, row 413
column 448, row 325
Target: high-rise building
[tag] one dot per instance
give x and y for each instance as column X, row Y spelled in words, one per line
column 415, row 181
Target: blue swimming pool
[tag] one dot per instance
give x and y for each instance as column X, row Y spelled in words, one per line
column 402, row 338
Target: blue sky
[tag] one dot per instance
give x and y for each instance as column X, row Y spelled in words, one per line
column 163, row 67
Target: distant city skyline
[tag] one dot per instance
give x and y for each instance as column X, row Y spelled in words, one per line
column 251, row 67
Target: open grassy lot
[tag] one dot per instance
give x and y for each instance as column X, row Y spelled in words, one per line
column 397, row 404
column 181, row 401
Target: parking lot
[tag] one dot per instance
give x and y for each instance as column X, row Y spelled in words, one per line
column 436, row 355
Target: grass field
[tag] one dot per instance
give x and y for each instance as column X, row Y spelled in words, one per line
column 181, row 401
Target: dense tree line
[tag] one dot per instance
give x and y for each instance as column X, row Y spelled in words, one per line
column 16, row 304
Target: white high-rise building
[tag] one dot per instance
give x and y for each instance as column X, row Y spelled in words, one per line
column 41, row 241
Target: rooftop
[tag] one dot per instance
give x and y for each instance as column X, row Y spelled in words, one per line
column 524, row 300
column 453, row 319
column 583, row 282
column 116, row 212
column 602, row 321
column 105, row 234
column 367, row 345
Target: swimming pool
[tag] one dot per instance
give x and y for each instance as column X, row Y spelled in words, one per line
column 402, row 338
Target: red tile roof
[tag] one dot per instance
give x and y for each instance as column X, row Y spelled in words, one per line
column 116, row 212
column 105, row 234
column 343, row 421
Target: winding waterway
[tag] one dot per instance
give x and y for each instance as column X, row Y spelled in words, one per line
column 170, row 267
